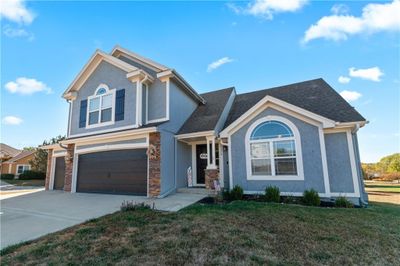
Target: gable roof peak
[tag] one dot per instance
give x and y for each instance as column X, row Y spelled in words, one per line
column 118, row 50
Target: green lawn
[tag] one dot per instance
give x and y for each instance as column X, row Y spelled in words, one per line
column 18, row 182
column 235, row 233
column 382, row 187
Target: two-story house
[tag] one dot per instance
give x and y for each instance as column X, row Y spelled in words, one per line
column 138, row 127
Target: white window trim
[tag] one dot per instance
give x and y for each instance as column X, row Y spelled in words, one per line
column 23, row 165
column 100, row 124
column 297, row 140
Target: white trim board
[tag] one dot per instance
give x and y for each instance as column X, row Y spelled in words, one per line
column 112, row 134
column 260, row 106
column 91, row 65
column 118, row 51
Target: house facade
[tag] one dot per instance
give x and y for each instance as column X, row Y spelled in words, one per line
column 138, row 127
column 18, row 163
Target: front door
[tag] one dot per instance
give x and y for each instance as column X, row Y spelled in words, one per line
column 201, row 163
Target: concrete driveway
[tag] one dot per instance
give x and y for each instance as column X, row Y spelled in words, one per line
column 30, row 216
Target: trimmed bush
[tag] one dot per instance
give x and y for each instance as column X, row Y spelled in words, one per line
column 272, row 194
column 30, row 174
column 7, row 176
column 236, row 193
column 342, row 202
column 311, row 198
column 134, row 206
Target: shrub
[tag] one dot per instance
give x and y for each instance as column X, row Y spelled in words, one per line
column 342, row 202
column 134, row 206
column 272, row 194
column 7, row 176
column 236, row 193
column 30, row 174
column 311, row 198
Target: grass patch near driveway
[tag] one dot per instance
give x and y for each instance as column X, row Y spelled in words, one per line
column 236, row 233
column 24, row 183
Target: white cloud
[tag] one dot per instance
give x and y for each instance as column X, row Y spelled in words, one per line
column 218, row 63
column 344, row 79
column 267, row 8
column 27, row 86
column 340, row 9
column 373, row 73
column 16, row 11
column 12, row 120
column 350, row 95
column 17, row 32
column 339, row 26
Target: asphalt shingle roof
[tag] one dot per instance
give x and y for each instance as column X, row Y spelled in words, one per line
column 206, row 116
column 20, row 155
column 8, row 150
column 316, row 96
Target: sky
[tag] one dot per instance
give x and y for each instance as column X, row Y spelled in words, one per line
column 252, row 45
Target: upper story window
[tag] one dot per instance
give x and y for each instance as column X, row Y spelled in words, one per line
column 101, row 107
column 273, row 150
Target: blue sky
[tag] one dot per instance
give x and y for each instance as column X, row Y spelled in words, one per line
column 253, row 45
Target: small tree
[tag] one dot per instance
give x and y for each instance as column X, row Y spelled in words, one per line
column 39, row 161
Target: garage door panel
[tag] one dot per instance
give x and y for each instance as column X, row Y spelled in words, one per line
column 119, row 172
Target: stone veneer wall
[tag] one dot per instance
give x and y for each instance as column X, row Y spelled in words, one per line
column 69, row 162
column 154, row 154
column 48, row 170
column 210, row 176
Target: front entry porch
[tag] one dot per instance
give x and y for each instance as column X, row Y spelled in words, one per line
column 203, row 172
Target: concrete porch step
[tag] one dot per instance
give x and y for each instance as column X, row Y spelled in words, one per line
column 194, row 190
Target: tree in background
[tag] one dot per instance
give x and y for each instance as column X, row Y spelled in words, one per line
column 388, row 168
column 39, row 161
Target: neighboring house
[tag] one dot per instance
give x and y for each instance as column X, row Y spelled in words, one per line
column 7, row 152
column 18, row 164
column 137, row 127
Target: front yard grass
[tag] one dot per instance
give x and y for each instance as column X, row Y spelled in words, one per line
column 236, row 233
column 24, row 183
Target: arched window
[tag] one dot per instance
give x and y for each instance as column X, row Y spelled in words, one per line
column 272, row 149
column 101, row 107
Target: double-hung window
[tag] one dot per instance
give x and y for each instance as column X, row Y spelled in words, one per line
column 23, row 168
column 101, row 107
column 272, row 152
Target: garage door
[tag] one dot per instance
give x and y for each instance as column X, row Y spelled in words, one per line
column 59, row 173
column 116, row 172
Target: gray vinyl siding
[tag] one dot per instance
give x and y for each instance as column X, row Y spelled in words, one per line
column 167, row 161
column 339, row 166
column 311, row 152
column 113, row 77
column 181, row 107
column 138, row 65
column 184, row 161
column 363, row 193
column 226, row 168
column 156, row 98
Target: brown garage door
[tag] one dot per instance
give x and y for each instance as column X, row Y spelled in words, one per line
column 59, row 173
column 116, row 172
